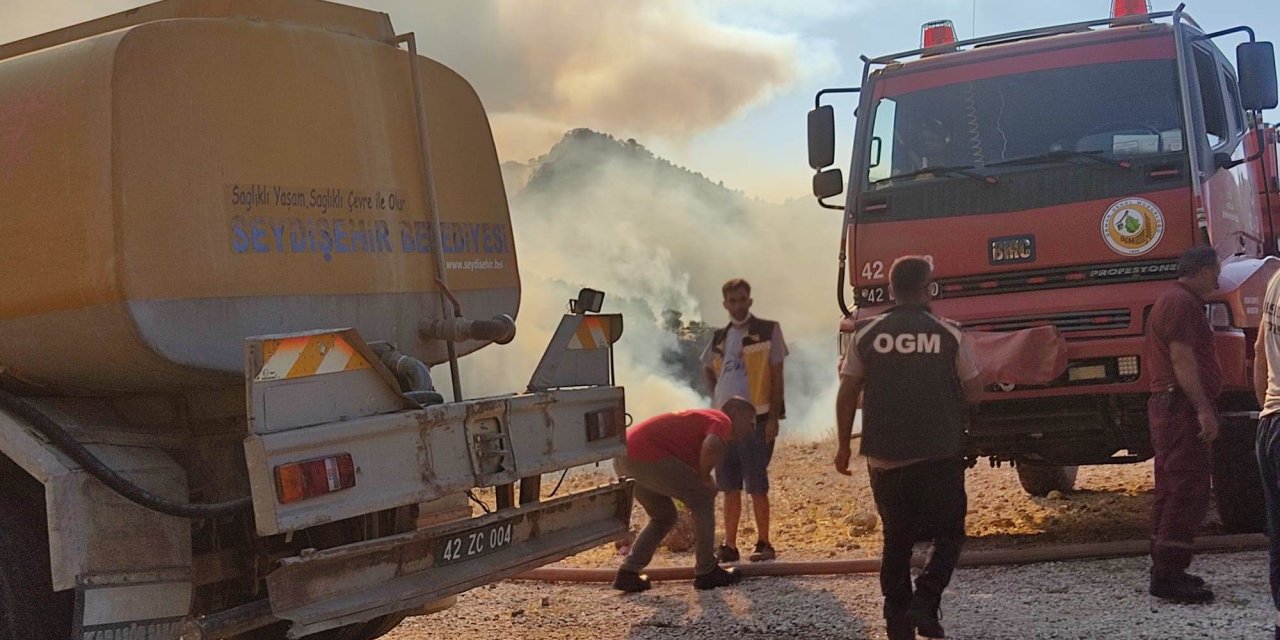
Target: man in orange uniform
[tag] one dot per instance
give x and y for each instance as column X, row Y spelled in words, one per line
column 1185, row 382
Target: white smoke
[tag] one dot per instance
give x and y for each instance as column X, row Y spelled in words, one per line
column 655, row 238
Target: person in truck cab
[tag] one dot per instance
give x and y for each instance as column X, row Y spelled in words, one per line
column 1185, row 382
column 672, row 456
column 915, row 372
column 745, row 359
column 931, row 146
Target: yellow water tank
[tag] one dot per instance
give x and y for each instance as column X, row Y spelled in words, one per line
column 176, row 178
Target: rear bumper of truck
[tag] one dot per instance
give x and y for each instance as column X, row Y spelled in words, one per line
column 362, row 581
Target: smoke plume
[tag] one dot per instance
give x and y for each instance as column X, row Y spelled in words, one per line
column 607, row 214
column 660, row 68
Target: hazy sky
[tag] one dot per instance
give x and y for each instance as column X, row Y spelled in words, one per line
column 720, row 86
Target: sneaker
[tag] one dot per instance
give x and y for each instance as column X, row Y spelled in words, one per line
column 764, row 551
column 631, row 582
column 726, row 553
column 718, row 577
column 927, row 621
column 1180, row 590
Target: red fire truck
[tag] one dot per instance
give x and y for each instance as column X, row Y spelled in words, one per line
column 1053, row 176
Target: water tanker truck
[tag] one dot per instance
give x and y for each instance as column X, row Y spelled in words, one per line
column 235, row 237
column 1053, row 176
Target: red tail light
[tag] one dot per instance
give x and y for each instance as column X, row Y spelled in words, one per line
column 1129, row 8
column 310, row 478
column 937, row 33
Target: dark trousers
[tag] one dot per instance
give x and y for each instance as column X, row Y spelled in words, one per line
column 1268, row 447
column 924, row 501
column 656, row 484
column 1183, row 468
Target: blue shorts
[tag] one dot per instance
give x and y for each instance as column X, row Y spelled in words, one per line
column 746, row 463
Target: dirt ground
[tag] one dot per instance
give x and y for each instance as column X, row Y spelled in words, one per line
column 818, row 513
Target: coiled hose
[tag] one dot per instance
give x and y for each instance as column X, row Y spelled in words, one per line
column 114, row 481
column 975, row 131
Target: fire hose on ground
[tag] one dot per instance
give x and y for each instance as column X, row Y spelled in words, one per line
column 983, row 558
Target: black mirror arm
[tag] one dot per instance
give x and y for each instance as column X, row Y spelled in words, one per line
column 1231, row 164
column 826, row 205
column 1215, row 34
column 817, row 99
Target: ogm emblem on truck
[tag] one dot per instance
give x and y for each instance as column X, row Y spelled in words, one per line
column 1132, row 226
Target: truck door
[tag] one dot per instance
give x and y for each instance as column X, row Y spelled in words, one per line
column 1228, row 194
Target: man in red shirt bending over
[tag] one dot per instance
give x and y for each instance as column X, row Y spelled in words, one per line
column 672, row 456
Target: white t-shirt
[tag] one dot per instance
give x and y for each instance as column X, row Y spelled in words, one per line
column 733, row 376
column 1271, row 345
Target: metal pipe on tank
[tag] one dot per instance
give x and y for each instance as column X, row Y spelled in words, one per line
column 429, row 189
column 500, row 329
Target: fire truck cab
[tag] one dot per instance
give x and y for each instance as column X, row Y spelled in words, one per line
column 1053, row 176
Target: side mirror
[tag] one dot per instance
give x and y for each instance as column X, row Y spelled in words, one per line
column 822, row 137
column 1256, row 65
column 828, row 183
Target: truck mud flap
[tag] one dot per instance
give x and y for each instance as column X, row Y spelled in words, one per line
column 358, row 582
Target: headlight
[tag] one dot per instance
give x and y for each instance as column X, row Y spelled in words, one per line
column 1127, row 366
column 1219, row 315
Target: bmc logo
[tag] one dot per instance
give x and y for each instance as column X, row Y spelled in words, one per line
column 908, row 343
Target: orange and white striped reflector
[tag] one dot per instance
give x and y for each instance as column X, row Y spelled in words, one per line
column 303, row 356
column 592, row 333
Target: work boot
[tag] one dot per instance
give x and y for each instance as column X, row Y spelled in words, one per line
column 718, row 577
column 926, row 618
column 1180, row 590
column 726, row 553
column 631, row 582
column 900, row 628
column 1191, row 578
column 764, row 551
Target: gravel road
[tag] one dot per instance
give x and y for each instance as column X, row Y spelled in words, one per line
column 1085, row 600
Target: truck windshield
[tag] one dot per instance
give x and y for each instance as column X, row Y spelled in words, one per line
column 1055, row 116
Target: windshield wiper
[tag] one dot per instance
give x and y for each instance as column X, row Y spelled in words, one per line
column 1061, row 155
column 957, row 170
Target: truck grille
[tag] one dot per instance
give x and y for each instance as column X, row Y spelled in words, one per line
column 1057, row 278
column 1108, row 320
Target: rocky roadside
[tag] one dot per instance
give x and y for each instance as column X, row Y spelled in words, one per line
column 819, row 514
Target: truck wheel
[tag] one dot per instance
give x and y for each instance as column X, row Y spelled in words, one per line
column 375, row 628
column 379, row 627
column 29, row 608
column 1039, row 479
column 1237, row 484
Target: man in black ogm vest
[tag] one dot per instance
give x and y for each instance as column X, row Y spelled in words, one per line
column 914, row 372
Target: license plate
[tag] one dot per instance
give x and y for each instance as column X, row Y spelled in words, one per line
column 473, row 543
column 1092, row 372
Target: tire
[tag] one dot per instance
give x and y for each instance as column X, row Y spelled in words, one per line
column 29, row 608
column 370, row 630
column 1039, row 479
column 379, row 627
column 1237, row 484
